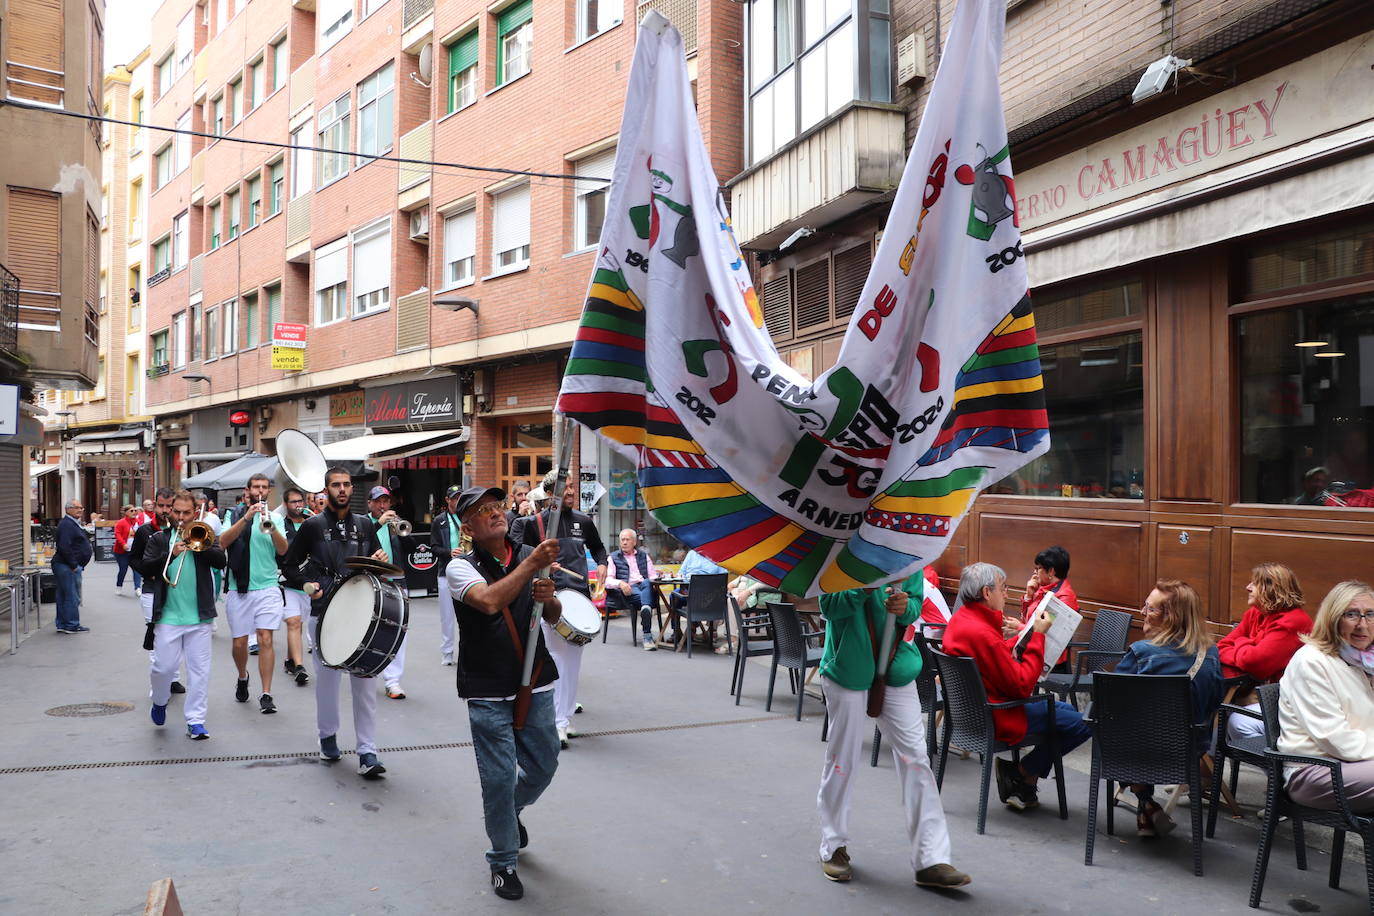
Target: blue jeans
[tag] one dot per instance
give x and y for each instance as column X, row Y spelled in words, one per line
column 122, row 560
column 639, row 595
column 515, row 767
column 1068, row 726
column 68, row 594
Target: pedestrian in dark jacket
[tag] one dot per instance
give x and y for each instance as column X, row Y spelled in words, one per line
column 73, row 553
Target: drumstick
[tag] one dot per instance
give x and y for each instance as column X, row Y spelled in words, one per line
column 569, row 572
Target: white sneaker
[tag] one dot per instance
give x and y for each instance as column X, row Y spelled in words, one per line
column 563, row 737
column 650, row 645
column 448, row 658
column 570, row 732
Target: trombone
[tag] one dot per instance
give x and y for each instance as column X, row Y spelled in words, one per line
column 197, row 536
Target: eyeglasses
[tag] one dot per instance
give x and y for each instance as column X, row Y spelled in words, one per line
column 1148, row 609
column 1357, row 616
column 486, row 509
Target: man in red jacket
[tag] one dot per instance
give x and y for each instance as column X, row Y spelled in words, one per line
column 975, row 631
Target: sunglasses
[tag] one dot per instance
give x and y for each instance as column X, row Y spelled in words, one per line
column 485, row 510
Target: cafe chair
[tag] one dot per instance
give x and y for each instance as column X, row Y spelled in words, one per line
column 1278, row 805
column 928, row 691
column 707, row 601
column 792, row 650
column 1143, row 732
column 1241, row 750
column 1105, row 647
column 968, row 724
column 755, row 640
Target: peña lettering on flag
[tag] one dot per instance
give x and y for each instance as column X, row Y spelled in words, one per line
column 860, row 476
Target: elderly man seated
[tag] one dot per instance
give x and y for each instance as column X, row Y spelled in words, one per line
column 975, row 631
column 628, row 574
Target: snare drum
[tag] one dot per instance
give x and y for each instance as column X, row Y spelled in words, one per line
column 581, row 621
column 363, row 622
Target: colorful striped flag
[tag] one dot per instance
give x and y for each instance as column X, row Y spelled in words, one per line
column 858, row 477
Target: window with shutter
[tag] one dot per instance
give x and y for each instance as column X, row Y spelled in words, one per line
column 34, row 66
column 510, row 229
column 813, row 295
column 851, row 270
column 35, row 255
column 777, row 306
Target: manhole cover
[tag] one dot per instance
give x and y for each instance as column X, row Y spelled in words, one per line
column 88, row 710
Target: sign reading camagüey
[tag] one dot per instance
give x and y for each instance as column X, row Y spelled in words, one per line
column 1326, row 92
column 861, row 476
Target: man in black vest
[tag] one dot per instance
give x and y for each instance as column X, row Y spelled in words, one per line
column 494, row 592
column 159, row 511
column 294, row 513
column 628, row 574
column 444, row 535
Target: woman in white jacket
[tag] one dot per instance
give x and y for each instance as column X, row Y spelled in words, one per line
column 1326, row 701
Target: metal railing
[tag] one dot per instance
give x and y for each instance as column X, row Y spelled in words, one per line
column 40, row 92
column 9, row 310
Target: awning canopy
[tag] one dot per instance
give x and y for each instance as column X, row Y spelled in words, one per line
column 234, row 475
column 217, row 456
column 38, row 470
column 111, row 434
column 360, row 448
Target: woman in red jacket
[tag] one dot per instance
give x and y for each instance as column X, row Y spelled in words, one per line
column 1051, row 575
column 123, row 540
column 1266, row 637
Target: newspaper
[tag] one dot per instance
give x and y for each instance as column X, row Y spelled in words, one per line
column 1057, row 637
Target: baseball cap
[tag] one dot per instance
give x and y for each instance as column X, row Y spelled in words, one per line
column 378, row 492
column 453, row 491
column 472, row 495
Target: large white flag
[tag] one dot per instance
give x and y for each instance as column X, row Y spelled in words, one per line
column 861, row 476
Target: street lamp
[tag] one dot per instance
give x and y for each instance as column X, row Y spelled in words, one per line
column 458, row 304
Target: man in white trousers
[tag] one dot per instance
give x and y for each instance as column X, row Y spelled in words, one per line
column 313, row 563
column 254, row 539
column 183, row 606
column 445, row 535
column 297, row 613
column 577, row 535
column 380, row 513
column 159, row 511
column 854, row 623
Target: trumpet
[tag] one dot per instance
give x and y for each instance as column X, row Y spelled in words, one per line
column 266, row 523
column 197, row 536
column 401, row 527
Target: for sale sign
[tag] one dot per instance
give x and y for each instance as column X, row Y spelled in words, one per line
column 288, row 346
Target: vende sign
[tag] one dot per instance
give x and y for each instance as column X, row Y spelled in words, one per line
column 288, row 335
column 431, row 402
column 1292, row 104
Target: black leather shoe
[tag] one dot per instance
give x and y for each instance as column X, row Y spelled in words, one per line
column 177, row 688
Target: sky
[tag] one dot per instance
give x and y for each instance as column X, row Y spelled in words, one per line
column 128, row 27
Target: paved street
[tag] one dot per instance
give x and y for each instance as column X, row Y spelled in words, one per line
column 674, row 801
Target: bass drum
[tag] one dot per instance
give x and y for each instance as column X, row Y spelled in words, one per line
column 364, row 620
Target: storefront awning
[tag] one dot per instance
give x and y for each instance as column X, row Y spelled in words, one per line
column 216, row 456
column 360, row 448
column 234, row 475
column 110, row 434
column 38, row 470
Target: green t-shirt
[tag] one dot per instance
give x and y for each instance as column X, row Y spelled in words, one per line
column 262, row 555
column 849, row 652
column 454, row 533
column 181, row 609
column 384, row 538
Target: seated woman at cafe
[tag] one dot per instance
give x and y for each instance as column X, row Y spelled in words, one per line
column 752, row 597
column 1176, row 642
column 1326, row 701
column 1268, row 634
column 1050, row 575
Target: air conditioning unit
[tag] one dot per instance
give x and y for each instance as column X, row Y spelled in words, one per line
column 419, row 225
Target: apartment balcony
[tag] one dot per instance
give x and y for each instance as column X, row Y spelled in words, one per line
column 298, row 229
column 413, row 180
column 836, row 169
column 417, row 24
column 301, row 88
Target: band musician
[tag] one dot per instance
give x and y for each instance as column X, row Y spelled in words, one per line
column 314, row 563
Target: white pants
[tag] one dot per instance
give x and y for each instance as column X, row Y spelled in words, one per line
column 146, row 599
column 569, row 660
column 298, row 605
column 364, row 705
column 447, row 619
column 903, row 728
column 170, row 644
column 1238, row 727
column 397, row 669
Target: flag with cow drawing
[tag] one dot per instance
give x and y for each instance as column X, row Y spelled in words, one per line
column 858, row 477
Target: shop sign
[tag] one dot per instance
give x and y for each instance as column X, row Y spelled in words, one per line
column 1275, row 111
column 288, row 346
column 346, row 409
column 428, row 403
